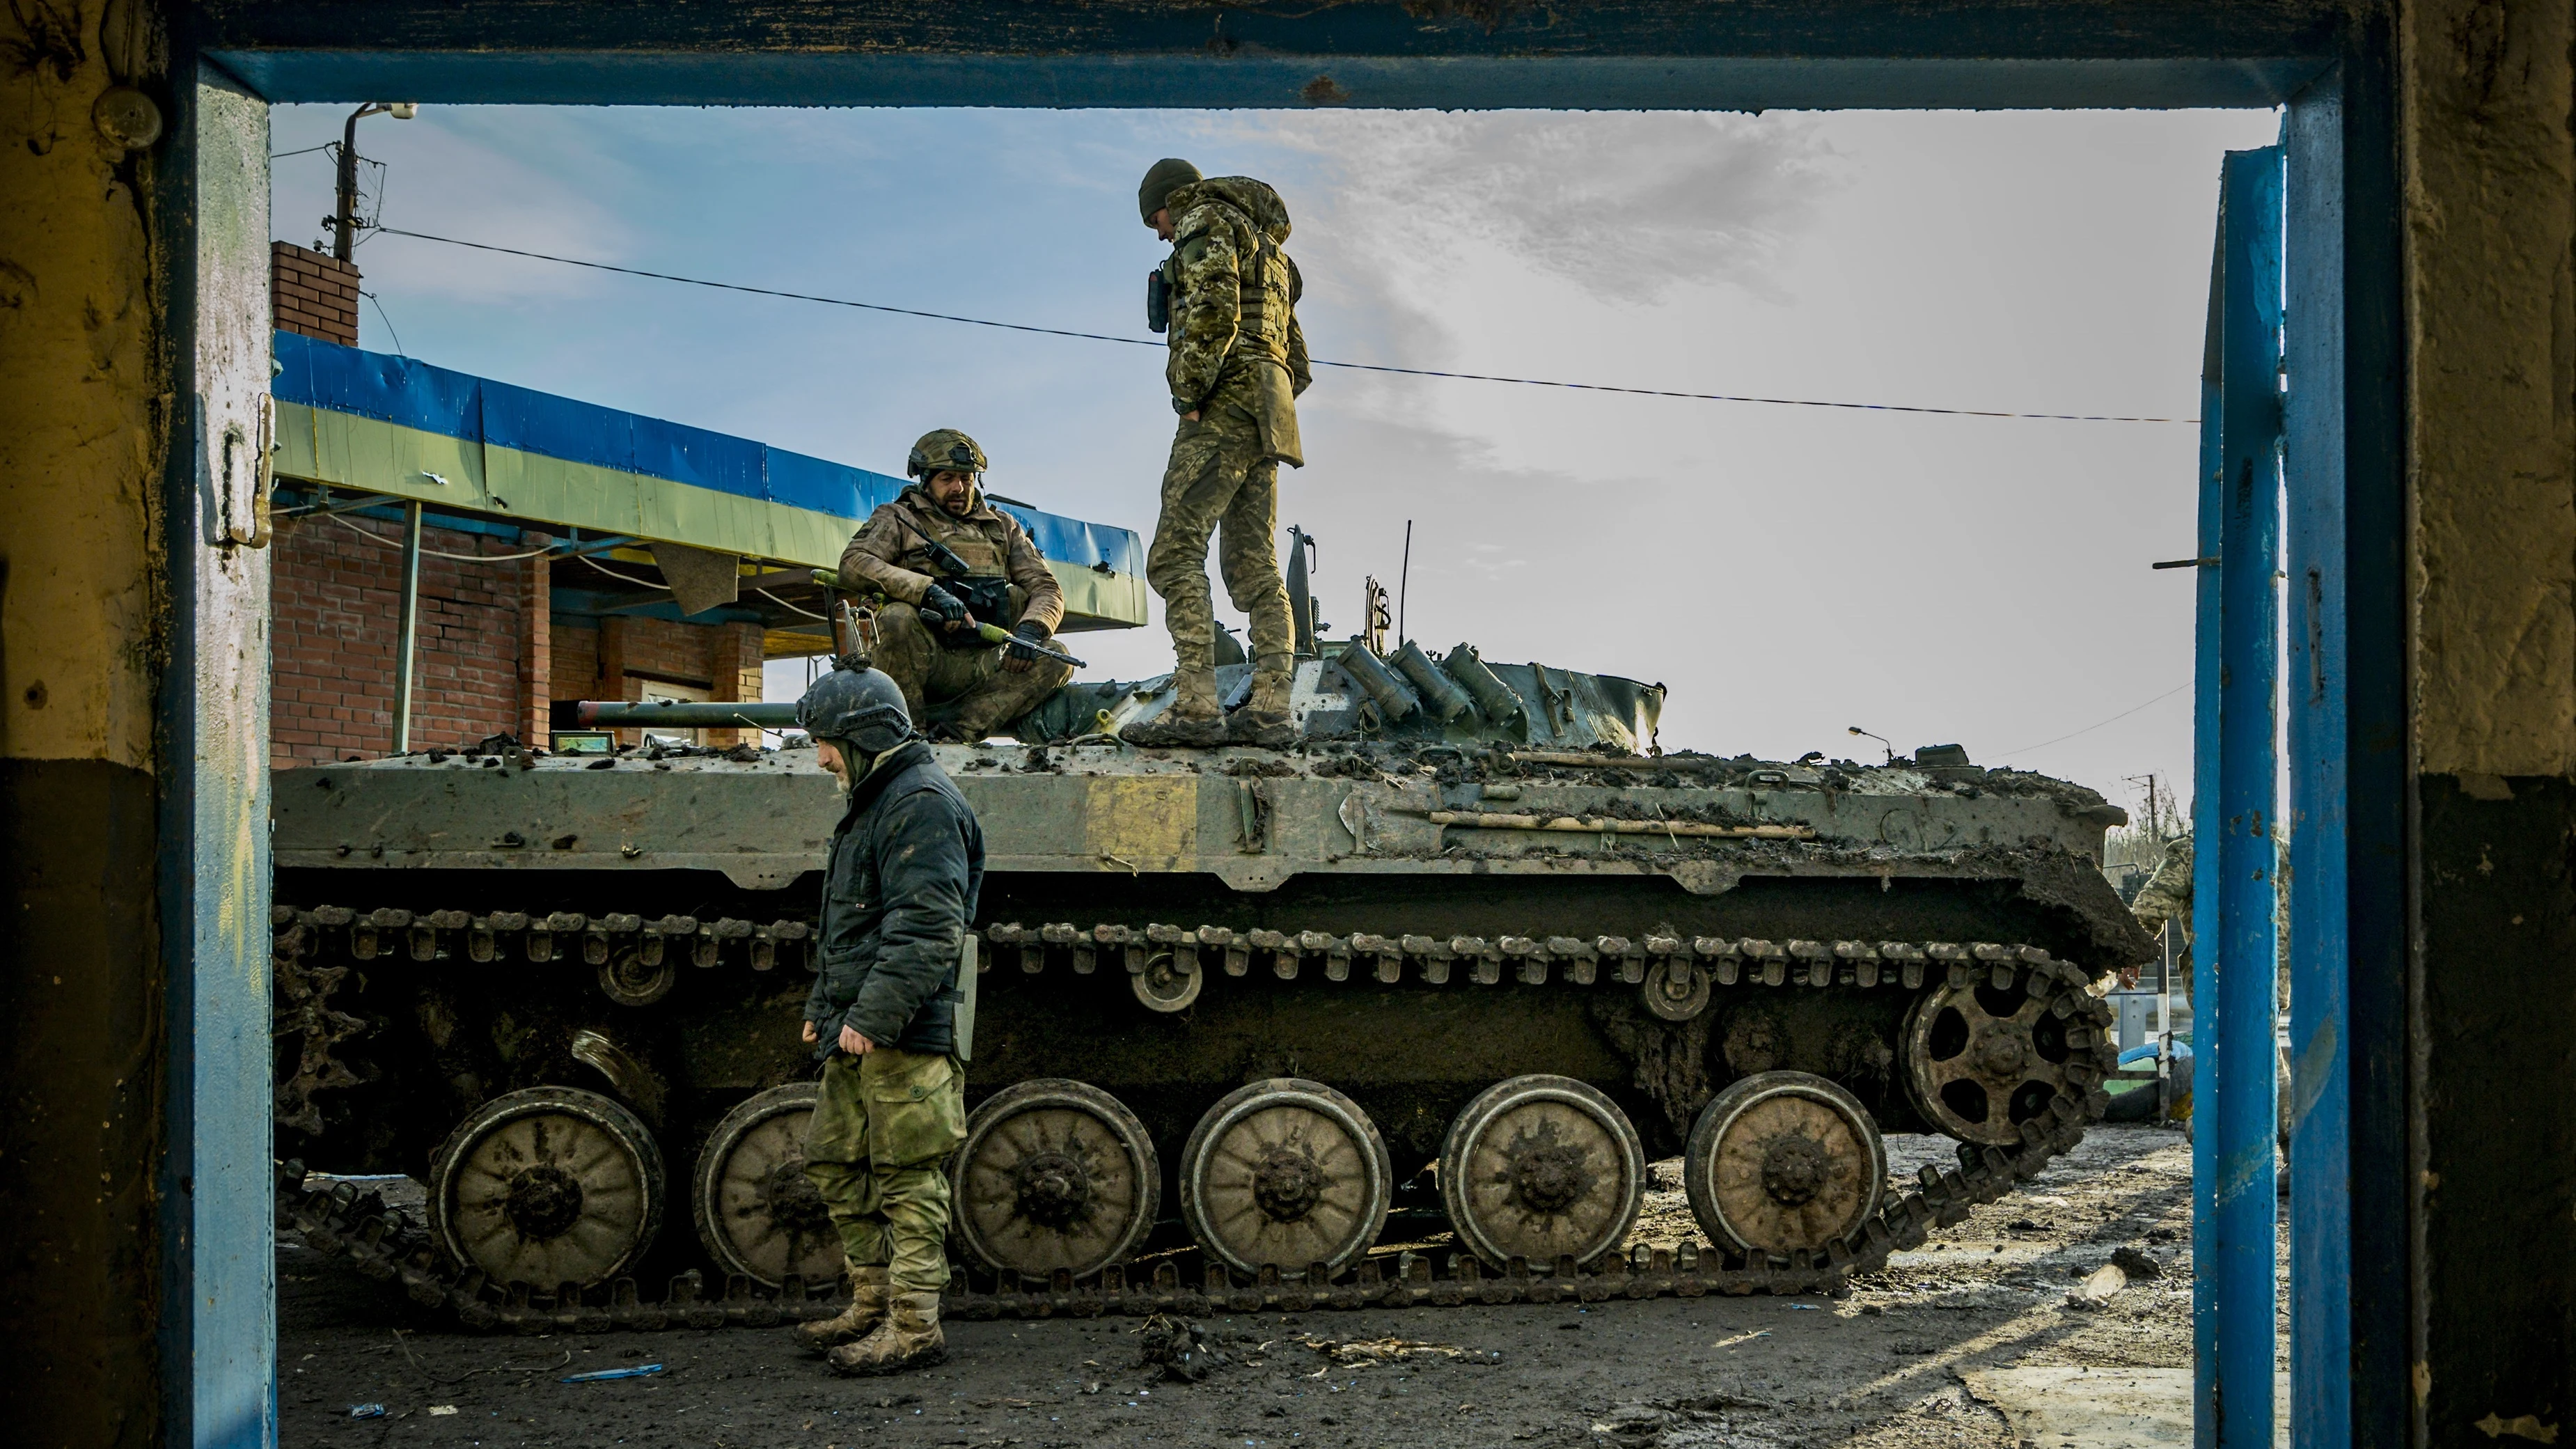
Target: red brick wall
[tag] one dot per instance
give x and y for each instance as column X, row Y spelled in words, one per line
column 313, row 293
column 337, row 611
column 491, row 657
column 612, row 660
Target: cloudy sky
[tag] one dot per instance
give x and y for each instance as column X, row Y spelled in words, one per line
column 1788, row 571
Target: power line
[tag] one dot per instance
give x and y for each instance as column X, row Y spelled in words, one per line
column 1795, row 402
column 2097, row 724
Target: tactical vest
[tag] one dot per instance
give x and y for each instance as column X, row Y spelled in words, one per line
column 986, row 589
column 1266, row 300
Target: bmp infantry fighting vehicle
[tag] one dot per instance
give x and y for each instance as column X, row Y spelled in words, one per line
column 1472, row 949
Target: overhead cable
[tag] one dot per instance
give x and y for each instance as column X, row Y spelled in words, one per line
column 1795, row 402
column 383, row 542
column 2097, row 724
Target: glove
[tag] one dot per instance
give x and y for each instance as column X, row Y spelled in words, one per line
column 940, row 605
column 1035, row 633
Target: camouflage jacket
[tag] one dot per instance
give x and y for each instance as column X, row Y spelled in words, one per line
column 886, row 555
column 2167, row 893
column 1234, row 336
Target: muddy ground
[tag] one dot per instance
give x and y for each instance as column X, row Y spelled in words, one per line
column 1878, row 1368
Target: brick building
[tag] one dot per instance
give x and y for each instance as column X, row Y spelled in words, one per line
column 497, row 641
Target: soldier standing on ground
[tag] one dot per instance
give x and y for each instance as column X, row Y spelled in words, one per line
column 1228, row 296
column 899, row 888
column 925, row 636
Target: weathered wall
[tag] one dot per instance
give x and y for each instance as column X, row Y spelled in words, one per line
column 2491, row 216
column 2487, row 100
column 81, row 455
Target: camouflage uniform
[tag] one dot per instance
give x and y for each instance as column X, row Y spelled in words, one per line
column 2167, row 893
column 1238, row 360
column 933, row 666
column 900, row 884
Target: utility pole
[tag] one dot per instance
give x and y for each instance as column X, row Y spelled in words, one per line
column 344, row 220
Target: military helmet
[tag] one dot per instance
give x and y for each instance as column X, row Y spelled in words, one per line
column 858, row 704
column 1162, row 179
column 944, row 450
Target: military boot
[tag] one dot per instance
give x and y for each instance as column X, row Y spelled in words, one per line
column 1195, row 717
column 1264, row 718
column 908, row 1339
column 866, row 1313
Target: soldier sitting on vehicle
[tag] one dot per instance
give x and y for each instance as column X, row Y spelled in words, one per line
column 945, row 560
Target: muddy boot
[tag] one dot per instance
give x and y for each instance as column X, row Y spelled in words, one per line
column 908, row 1339
column 864, row 1316
column 1194, row 718
column 1264, row 718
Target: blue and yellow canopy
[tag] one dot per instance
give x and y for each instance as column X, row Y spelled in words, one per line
column 403, row 429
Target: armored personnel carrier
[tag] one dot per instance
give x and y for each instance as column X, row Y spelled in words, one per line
column 1474, row 945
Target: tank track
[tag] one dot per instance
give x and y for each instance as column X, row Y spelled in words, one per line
column 390, row 1246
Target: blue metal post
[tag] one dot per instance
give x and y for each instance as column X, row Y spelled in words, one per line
column 2322, row 1258
column 2204, row 874
column 2233, row 1006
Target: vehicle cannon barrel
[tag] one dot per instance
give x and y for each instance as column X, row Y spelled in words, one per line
column 684, row 714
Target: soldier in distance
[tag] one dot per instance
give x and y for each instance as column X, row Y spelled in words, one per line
column 925, row 640
column 1227, row 296
column 899, row 888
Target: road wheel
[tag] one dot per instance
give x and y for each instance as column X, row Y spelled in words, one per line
column 1539, row 1167
column 1783, row 1162
column 547, row 1186
column 1981, row 1059
column 1054, row 1175
column 757, row 1212
column 1285, row 1172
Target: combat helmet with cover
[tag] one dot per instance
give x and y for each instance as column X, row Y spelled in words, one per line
column 857, row 704
column 944, row 450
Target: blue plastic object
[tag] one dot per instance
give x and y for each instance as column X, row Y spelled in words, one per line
column 640, row 1370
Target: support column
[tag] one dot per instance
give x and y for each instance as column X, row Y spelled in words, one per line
column 407, row 629
column 536, row 644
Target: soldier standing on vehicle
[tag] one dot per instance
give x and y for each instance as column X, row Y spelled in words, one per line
column 1227, row 295
column 925, row 635
column 899, row 889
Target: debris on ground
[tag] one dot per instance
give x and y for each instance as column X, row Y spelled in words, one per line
column 2136, row 1264
column 1362, row 1352
column 1180, row 1348
column 2097, row 1287
column 366, row 1411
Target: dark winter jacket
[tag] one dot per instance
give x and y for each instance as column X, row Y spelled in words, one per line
column 898, row 892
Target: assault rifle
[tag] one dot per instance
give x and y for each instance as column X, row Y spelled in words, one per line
column 947, row 562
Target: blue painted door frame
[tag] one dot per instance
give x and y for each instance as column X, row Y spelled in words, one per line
column 2345, row 486
column 2236, row 868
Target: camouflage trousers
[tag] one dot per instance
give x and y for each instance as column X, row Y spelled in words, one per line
column 985, row 695
column 874, row 1150
column 1218, row 482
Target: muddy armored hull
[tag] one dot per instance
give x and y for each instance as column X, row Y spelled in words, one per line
column 1383, row 955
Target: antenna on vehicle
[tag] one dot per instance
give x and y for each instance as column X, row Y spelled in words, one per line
column 1403, row 584
column 1882, row 743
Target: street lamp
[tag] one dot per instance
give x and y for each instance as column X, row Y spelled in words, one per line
column 344, row 224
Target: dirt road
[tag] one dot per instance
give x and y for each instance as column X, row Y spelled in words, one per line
column 1878, row 1368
